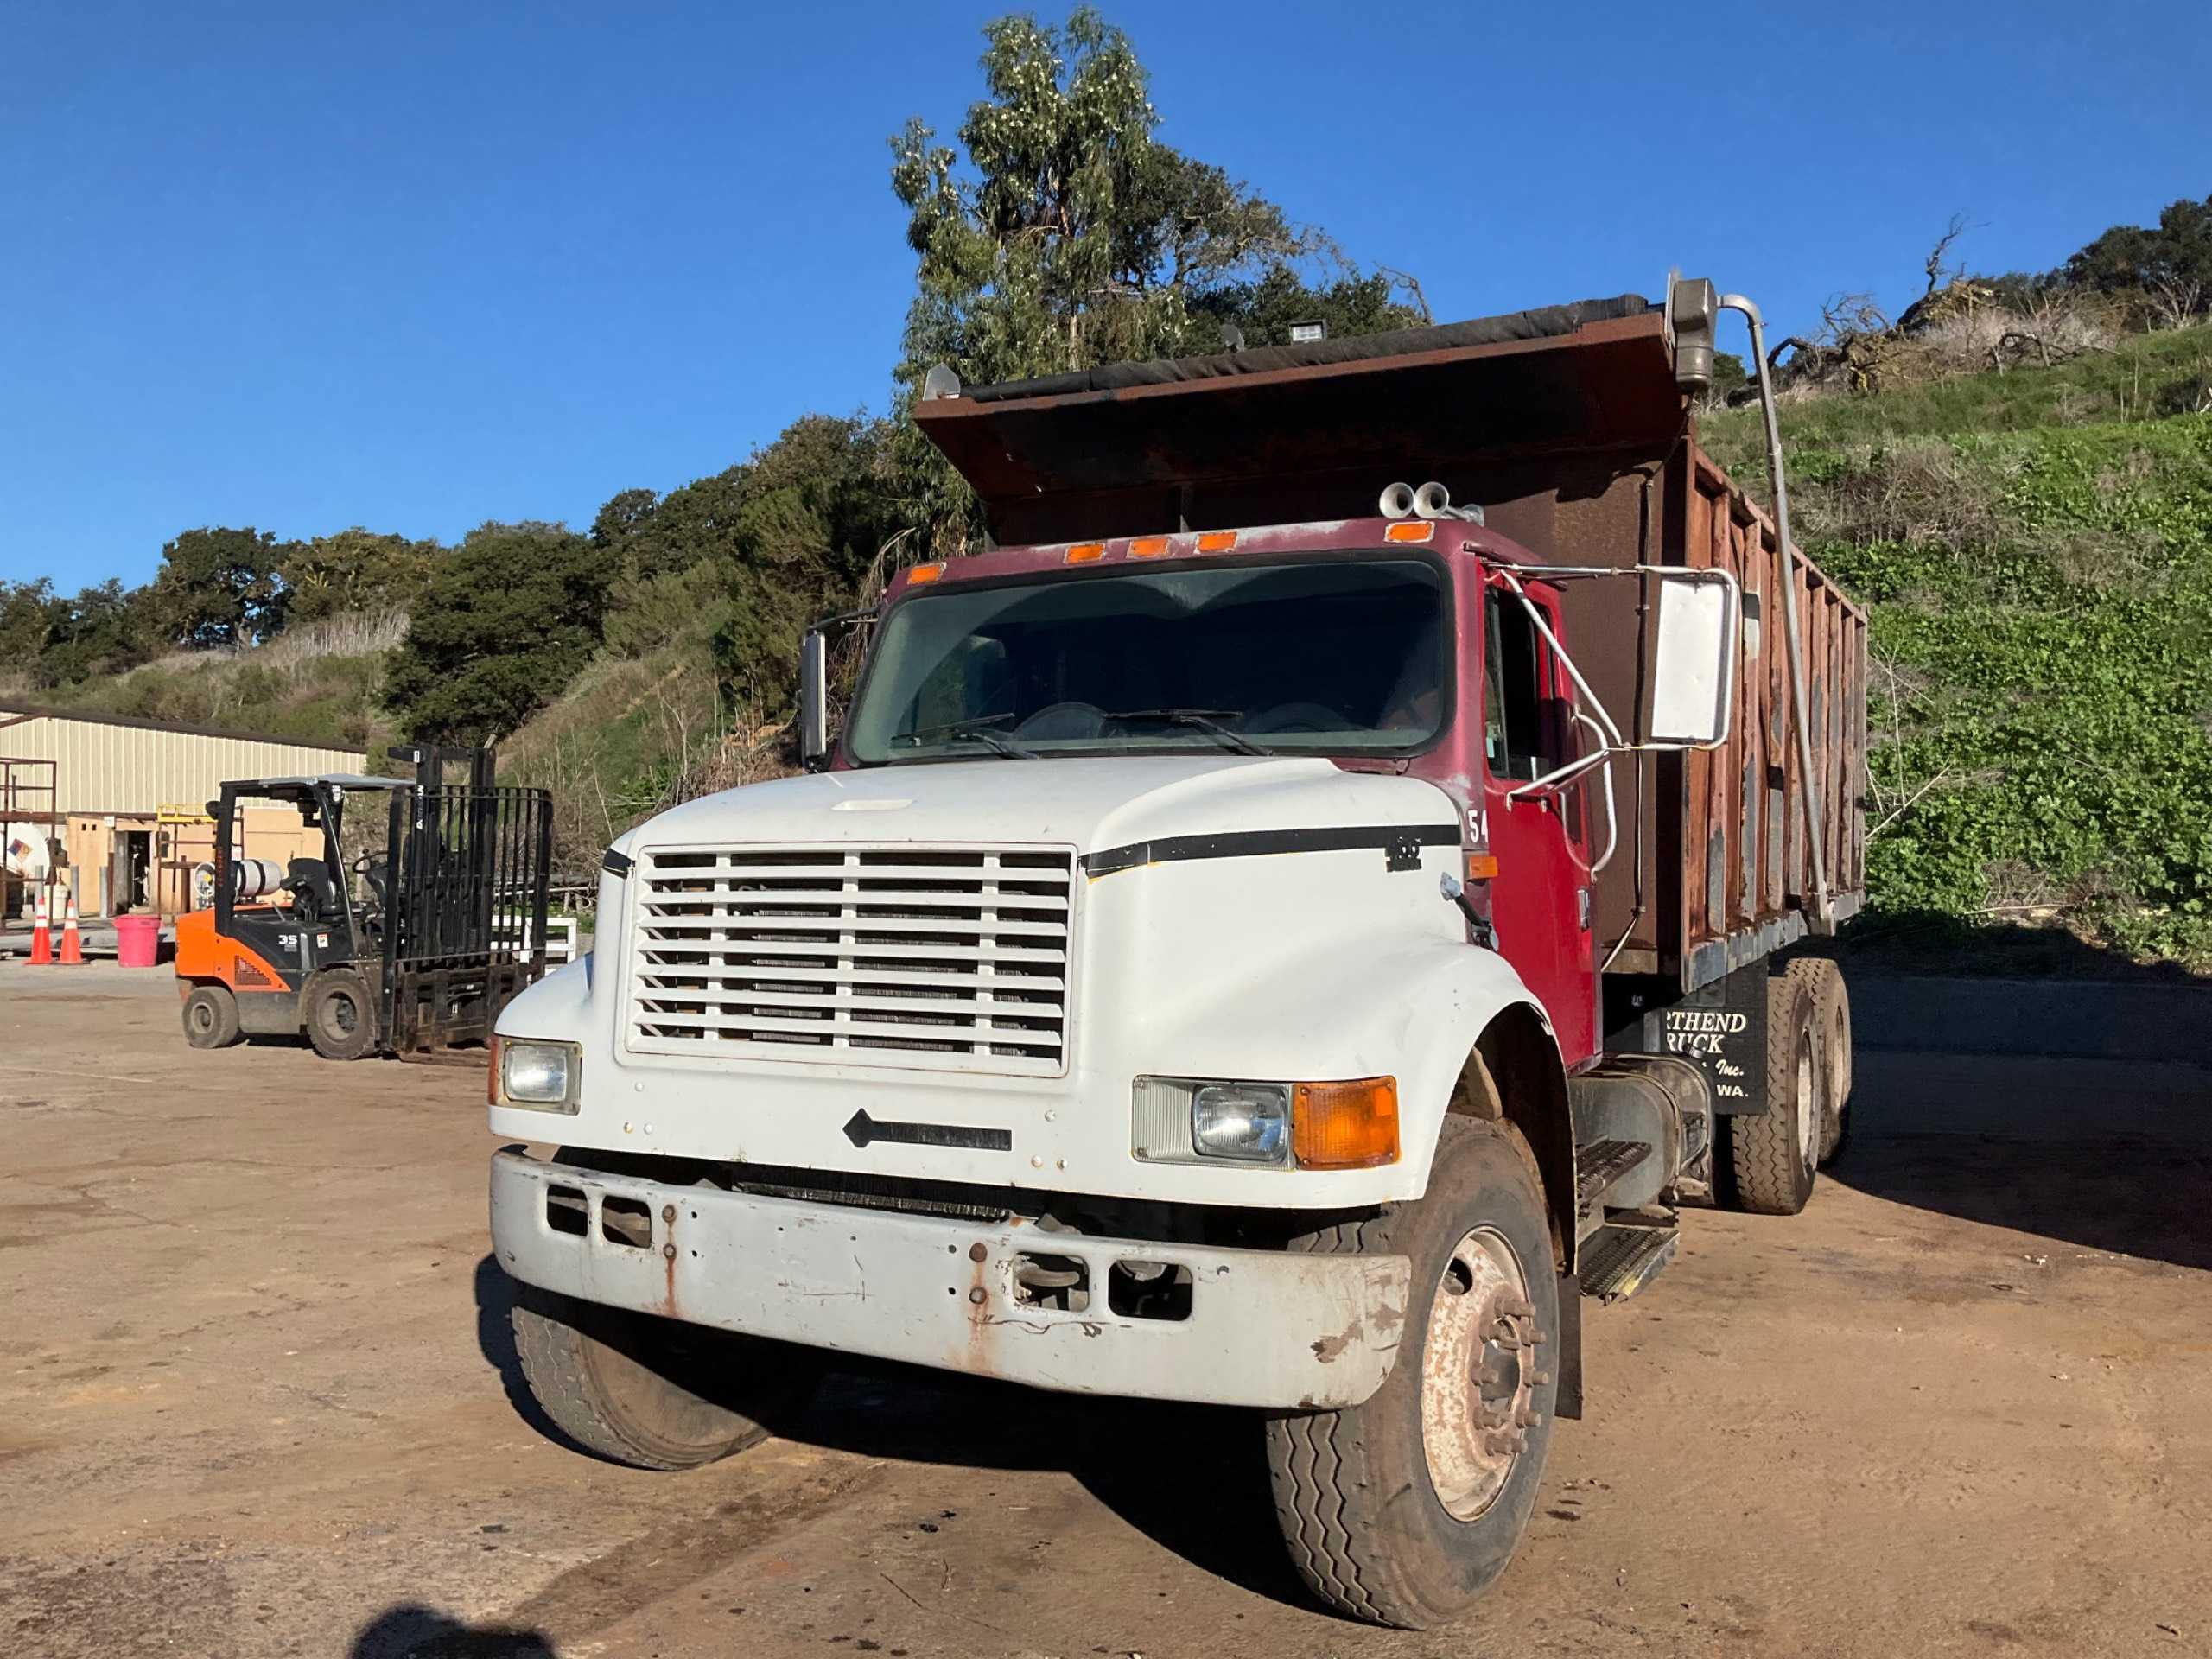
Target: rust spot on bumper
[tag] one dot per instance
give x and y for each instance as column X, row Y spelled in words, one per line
column 1328, row 1349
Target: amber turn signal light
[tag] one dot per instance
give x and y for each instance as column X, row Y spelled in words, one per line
column 1150, row 547
column 1086, row 552
column 1419, row 529
column 922, row 573
column 1344, row 1125
column 1216, row 541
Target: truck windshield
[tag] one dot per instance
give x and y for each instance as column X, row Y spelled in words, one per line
column 1317, row 657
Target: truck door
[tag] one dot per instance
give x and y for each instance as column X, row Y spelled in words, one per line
column 1540, row 900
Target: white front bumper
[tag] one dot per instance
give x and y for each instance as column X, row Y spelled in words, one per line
column 1266, row 1327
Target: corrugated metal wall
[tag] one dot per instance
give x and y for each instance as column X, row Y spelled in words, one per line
column 134, row 769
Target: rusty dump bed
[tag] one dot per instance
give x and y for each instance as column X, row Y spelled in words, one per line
column 1566, row 425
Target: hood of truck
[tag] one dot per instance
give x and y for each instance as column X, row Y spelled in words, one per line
column 1092, row 804
column 1179, row 916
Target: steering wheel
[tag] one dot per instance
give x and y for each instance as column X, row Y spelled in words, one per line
column 1064, row 720
column 1298, row 717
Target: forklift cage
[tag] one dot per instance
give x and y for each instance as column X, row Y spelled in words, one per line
column 464, row 924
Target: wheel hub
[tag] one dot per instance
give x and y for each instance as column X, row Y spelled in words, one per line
column 1809, row 1111
column 1478, row 1374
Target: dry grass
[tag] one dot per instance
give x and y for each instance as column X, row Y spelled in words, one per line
column 351, row 634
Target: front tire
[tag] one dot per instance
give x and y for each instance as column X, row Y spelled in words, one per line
column 341, row 1015
column 1774, row 1154
column 1403, row 1511
column 649, row 1392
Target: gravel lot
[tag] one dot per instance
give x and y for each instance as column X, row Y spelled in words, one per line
column 254, row 1401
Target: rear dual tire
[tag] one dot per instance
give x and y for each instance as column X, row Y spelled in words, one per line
column 1774, row 1156
column 1403, row 1510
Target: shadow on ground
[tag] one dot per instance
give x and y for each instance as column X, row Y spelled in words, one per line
column 2110, row 1156
column 1193, row 1478
column 411, row 1632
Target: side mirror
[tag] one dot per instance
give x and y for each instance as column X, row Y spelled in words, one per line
column 1694, row 660
column 814, row 700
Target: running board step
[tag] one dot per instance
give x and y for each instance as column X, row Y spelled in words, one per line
column 1621, row 1258
column 1600, row 1166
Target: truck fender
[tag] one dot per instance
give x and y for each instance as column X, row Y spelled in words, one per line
column 559, row 1006
column 1488, row 1051
column 1457, row 1029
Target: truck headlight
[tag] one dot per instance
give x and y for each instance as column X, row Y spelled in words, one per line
column 541, row 1075
column 1341, row 1125
column 1248, row 1121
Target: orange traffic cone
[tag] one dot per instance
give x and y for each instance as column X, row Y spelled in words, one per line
column 72, row 946
column 41, row 932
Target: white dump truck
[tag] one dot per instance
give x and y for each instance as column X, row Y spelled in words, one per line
column 1260, row 934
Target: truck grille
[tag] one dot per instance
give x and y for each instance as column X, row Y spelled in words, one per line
column 946, row 957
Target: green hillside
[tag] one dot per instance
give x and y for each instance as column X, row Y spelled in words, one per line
column 320, row 681
column 2035, row 549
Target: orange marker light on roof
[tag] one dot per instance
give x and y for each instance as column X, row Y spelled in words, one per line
column 922, row 573
column 1216, row 541
column 1150, row 547
column 1411, row 530
column 1085, row 552
column 1482, row 866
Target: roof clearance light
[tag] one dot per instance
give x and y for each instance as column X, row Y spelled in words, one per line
column 922, row 573
column 1216, row 541
column 1086, row 552
column 1150, row 547
column 1410, row 530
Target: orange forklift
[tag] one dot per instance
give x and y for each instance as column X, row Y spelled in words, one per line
column 422, row 916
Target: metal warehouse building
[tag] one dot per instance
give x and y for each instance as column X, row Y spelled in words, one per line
column 128, row 799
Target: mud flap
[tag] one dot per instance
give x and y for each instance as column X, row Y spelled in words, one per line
column 1721, row 1029
column 1569, row 1358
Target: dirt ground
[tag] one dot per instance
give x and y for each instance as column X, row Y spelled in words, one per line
column 254, row 1401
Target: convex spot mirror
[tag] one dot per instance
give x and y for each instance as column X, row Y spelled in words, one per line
column 1694, row 658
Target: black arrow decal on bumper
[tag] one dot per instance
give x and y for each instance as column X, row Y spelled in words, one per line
column 862, row 1129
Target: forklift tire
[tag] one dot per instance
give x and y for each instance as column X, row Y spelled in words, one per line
column 649, row 1392
column 1773, row 1155
column 1403, row 1510
column 340, row 1014
column 210, row 1017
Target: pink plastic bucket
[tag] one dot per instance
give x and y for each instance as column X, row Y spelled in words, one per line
column 138, row 940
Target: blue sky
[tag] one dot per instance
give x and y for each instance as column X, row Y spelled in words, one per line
column 417, row 266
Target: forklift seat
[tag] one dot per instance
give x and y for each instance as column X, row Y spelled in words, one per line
column 308, row 881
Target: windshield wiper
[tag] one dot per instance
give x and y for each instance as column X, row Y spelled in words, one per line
column 1203, row 720
column 979, row 729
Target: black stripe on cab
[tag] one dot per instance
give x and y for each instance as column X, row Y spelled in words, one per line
column 1264, row 843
